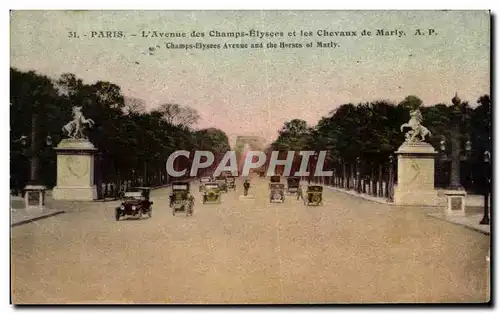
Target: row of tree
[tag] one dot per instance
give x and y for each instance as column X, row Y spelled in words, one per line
column 371, row 131
column 134, row 141
column 130, row 139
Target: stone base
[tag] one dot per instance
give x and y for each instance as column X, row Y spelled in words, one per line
column 34, row 196
column 75, row 145
column 415, row 175
column 455, row 203
column 74, row 193
column 408, row 197
column 75, row 171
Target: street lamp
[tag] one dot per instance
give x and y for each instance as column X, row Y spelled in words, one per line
column 390, row 183
column 487, row 179
column 32, row 152
column 341, row 174
column 442, row 144
column 48, row 141
column 358, row 177
column 458, row 117
column 23, row 140
column 455, row 161
column 22, row 143
column 468, row 146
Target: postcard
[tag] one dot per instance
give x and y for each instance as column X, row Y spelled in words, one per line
column 250, row 157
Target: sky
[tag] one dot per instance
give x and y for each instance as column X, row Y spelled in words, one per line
column 254, row 91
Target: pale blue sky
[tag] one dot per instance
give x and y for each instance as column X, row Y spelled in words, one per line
column 254, row 91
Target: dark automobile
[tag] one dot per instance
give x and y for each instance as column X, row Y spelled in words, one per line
column 292, row 185
column 231, row 183
column 221, row 180
column 203, row 181
column 276, row 192
column 181, row 198
column 314, row 195
column 226, row 174
column 275, row 179
column 135, row 203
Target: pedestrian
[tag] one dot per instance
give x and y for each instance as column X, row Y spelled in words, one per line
column 246, row 186
column 171, row 198
column 299, row 193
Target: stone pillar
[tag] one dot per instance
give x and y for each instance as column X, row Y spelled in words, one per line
column 34, row 196
column 415, row 175
column 75, row 171
column 455, row 203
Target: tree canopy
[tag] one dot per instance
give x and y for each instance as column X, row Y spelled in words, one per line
column 371, row 130
column 128, row 136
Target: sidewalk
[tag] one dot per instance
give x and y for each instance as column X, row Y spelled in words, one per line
column 472, row 200
column 379, row 200
column 473, row 216
column 21, row 216
column 468, row 221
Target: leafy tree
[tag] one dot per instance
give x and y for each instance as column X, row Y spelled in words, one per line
column 481, row 126
column 411, row 102
column 293, row 136
column 34, row 106
column 129, row 138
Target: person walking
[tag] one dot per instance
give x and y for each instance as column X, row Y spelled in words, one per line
column 246, row 186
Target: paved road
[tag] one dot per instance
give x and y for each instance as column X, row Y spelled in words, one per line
column 249, row 251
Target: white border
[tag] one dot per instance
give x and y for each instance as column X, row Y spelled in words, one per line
column 255, row 5
column 187, row 5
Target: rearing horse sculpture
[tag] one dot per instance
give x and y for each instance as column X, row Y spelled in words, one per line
column 417, row 129
column 74, row 129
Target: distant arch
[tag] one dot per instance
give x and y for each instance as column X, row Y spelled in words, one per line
column 254, row 143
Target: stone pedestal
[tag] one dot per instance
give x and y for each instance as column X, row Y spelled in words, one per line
column 34, row 196
column 75, row 171
column 415, row 175
column 455, row 203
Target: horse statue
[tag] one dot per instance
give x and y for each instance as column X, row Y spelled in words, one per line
column 74, row 129
column 417, row 129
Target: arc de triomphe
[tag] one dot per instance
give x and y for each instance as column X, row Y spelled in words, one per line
column 246, row 143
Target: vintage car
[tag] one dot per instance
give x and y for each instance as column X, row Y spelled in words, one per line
column 275, row 179
column 181, row 198
column 221, row 180
column 292, row 185
column 212, row 193
column 314, row 195
column 203, row 181
column 276, row 192
column 231, row 183
column 226, row 174
column 135, row 203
